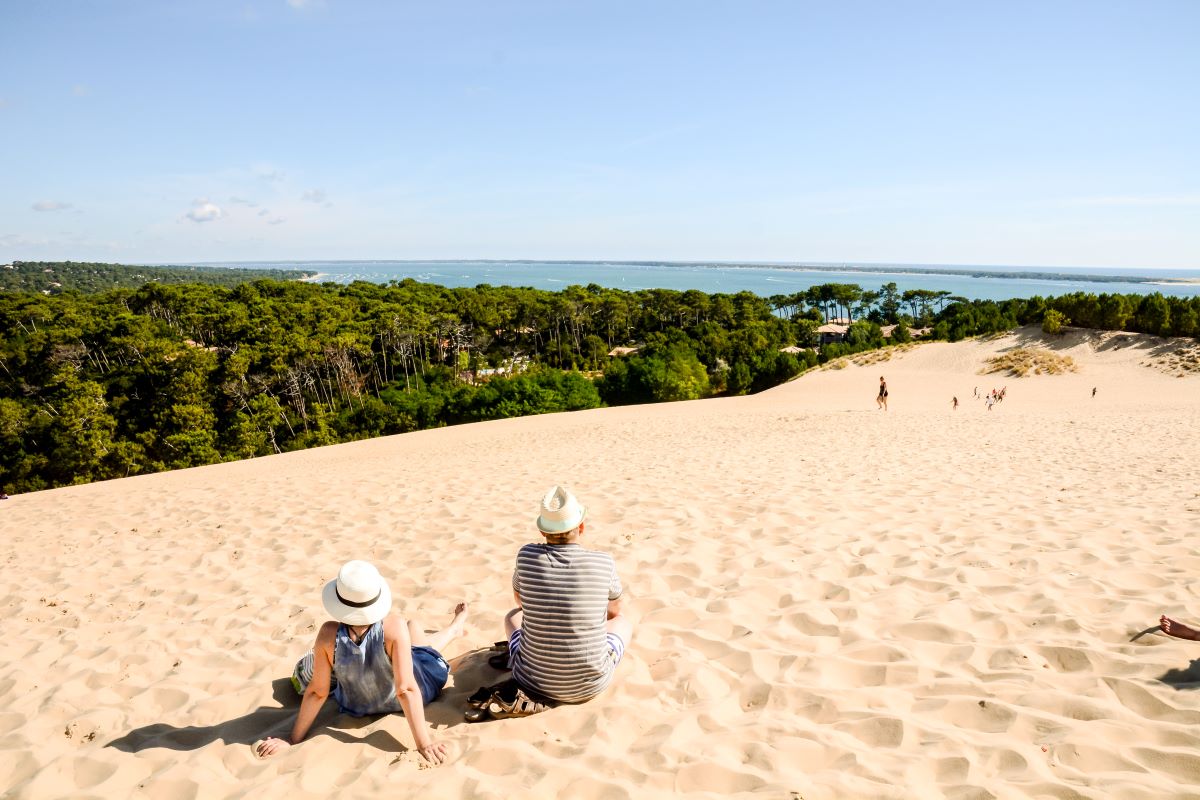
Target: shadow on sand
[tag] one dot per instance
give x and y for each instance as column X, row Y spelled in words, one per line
column 469, row 671
column 1181, row 679
column 1101, row 341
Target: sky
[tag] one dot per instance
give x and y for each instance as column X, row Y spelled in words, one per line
column 1018, row 133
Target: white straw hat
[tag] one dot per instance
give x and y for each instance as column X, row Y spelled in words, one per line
column 561, row 512
column 359, row 595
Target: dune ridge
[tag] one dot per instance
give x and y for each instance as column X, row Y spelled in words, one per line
column 830, row 601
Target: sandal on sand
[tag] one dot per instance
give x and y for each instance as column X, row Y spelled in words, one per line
column 505, row 700
column 481, row 697
column 523, row 705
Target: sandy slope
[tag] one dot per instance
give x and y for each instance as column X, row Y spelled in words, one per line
column 832, row 601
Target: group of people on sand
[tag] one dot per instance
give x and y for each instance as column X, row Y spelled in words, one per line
column 564, row 638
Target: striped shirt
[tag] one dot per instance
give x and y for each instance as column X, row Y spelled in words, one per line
column 564, row 590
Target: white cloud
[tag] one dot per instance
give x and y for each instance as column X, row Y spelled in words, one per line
column 314, row 196
column 276, row 221
column 204, row 211
column 50, row 205
column 262, row 212
column 267, row 174
column 237, row 201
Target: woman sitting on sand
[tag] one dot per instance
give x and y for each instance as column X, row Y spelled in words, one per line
column 372, row 662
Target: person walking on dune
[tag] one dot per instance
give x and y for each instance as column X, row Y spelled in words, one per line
column 882, row 397
column 372, row 662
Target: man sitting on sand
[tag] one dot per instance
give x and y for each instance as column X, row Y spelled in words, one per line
column 567, row 634
column 373, row 663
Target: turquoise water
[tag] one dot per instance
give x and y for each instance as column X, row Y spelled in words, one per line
column 984, row 283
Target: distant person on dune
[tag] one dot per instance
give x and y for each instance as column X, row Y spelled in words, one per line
column 1177, row 629
column 954, row 402
column 1093, row 391
column 372, row 662
column 881, row 398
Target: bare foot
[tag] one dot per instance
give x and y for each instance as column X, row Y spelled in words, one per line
column 460, row 619
column 1177, row 629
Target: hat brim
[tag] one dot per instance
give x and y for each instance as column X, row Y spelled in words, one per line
column 353, row 615
column 552, row 526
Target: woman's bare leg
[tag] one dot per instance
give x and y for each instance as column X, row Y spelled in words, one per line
column 439, row 639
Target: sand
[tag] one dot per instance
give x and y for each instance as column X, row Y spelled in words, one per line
column 830, row 601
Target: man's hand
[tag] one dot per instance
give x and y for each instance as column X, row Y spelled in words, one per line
column 271, row 746
column 434, row 752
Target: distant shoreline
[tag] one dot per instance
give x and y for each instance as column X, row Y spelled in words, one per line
column 998, row 272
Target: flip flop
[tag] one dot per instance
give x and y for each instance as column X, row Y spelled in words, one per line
column 477, row 703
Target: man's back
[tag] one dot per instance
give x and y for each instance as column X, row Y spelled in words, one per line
column 564, row 591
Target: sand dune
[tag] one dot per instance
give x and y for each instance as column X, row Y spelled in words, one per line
column 831, row 601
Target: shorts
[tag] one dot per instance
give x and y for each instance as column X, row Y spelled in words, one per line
column 616, row 647
column 431, row 672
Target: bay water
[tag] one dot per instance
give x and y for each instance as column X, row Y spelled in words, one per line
column 972, row 282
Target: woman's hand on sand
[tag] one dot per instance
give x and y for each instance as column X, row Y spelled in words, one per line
column 434, row 752
column 271, row 746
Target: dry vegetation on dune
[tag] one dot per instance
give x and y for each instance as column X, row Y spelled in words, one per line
column 1025, row 360
column 1179, row 362
column 870, row 357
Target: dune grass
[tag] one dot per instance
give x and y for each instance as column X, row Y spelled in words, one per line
column 1180, row 362
column 869, row 357
column 1024, row 361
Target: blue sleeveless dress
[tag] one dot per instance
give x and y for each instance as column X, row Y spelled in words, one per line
column 363, row 681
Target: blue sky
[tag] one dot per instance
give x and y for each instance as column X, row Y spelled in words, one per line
column 1024, row 133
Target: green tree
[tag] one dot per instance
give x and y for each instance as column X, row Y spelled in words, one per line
column 1154, row 315
column 1054, row 322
